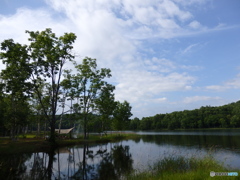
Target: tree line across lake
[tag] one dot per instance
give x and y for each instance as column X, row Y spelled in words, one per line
column 226, row 116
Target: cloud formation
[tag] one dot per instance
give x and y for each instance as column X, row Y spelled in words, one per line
column 193, row 99
column 116, row 32
column 230, row 84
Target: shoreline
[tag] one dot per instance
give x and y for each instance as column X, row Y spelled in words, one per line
column 30, row 145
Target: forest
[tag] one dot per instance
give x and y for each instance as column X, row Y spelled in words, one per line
column 226, row 116
column 43, row 87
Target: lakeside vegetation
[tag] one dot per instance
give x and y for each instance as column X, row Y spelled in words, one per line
column 31, row 143
column 226, row 116
column 36, row 88
column 182, row 168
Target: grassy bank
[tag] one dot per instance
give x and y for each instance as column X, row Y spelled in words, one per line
column 30, row 143
column 181, row 168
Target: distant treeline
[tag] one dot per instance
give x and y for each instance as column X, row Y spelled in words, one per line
column 227, row 116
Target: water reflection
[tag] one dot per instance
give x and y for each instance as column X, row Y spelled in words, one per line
column 13, row 167
column 17, row 166
column 200, row 141
column 103, row 164
column 115, row 160
column 82, row 162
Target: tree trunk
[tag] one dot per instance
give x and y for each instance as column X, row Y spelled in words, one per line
column 85, row 126
column 45, row 128
column 26, row 129
column 38, row 128
column 52, row 132
column 63, row 106
column 85, row 131
column 50, row 163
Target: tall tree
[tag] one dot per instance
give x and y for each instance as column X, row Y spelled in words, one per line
column 37, row 109
column 66, row 93
column 86, row 86
column 105, row 106
column 2, row 110
column 16, row 85
column 121, row 114
column 49, row 54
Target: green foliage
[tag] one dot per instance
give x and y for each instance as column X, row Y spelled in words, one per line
column 182, row 168
column 49, row 53
column 31, row 87
column 121, row 115
column 17, row 70
column 227, row 116
column 15, row 86
column 134, row 123
column 105, row 105
column 90, row 89
column 27, row 67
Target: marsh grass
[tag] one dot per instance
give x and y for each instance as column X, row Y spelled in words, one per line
column 181, row 168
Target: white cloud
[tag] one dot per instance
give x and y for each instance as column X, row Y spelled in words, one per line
column 160, row 65
column 135, row 19
column 14, row 26
column 138, row 85
column 112, row 31
column 160, row 100
column 165, row 66
column 189, row 48
column 195, row 25
column 191, row 68
column 231, row 84
column 234, row 83
column 216, row 87
column 25, row 19
column 102, row 35
column 172, row 10
column 190, row 2
column 194, row 99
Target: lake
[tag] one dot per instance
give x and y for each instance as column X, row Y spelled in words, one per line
column 114, row 160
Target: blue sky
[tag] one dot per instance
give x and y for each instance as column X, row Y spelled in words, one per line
column 165, row 55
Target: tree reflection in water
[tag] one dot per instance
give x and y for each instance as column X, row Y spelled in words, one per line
column 25, row 166
column 13, row 167
column 96, row 162
column 112, row 165
column 115, row 164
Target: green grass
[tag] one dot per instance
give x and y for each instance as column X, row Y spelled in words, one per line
column 31, row 143
column 181, row 168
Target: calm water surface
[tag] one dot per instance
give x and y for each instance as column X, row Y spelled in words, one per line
column 114, row 160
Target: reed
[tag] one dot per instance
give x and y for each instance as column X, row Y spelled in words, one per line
column 182, row 168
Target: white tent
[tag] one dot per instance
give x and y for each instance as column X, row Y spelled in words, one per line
column 64, row 131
